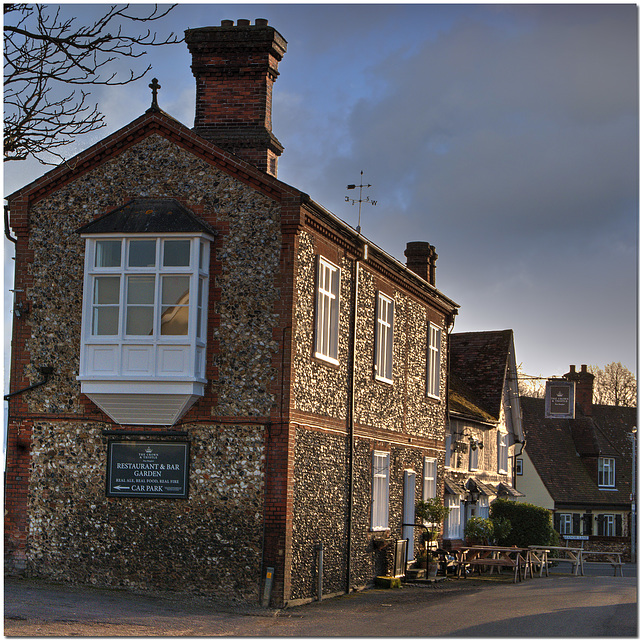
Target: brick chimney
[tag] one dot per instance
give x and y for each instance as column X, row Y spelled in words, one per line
column 584, row 387
column 421, row 259
column 235, row 67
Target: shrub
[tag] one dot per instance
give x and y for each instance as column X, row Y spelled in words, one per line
column 530, row 524
column 479, row 530
column 501, row 530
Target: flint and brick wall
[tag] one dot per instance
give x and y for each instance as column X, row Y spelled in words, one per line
column 398, row 418
column 211, row 542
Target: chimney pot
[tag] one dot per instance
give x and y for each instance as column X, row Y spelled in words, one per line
column 244, row 23
column 261, row 22
column 583, row 368
column 227, row 23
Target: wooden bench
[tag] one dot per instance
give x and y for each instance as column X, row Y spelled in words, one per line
column 488, row 556
column 571, row 555
column 614, row 558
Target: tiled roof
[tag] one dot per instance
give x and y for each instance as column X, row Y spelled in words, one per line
column 478, row 367
column 148, row 215
column 559, row 448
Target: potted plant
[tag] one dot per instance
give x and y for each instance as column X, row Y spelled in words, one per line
column 432, row 512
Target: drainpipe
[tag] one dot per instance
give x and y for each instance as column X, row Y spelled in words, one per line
column 352, row 408
column 45, row 371
column 7, row 230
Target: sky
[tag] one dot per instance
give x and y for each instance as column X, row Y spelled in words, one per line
column 505, row 135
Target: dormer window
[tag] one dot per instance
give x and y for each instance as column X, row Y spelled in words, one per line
column 607, row 472
column 145, row 312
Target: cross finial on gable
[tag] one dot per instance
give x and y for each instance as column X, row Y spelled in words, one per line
column 154, row 86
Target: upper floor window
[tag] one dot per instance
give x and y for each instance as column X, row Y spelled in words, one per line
column 503, row 450
column 380, row 490
column 606, row 472
column 473, row 458
column 448, row 446
column 433, row 361
column 146, row 288
column 327, row 310
column 144, row 316
column 384, row 339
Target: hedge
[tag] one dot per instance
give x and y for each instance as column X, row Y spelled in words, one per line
column 530, row 524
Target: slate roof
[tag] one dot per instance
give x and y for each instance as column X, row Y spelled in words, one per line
column 478, row 362
column 148, row 215
column 559, row 449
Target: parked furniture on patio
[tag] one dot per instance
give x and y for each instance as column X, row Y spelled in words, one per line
column 538, row 559
column 614, row 558
column 490, row 556
column 563, row 554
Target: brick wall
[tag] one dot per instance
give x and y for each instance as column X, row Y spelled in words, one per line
column 59, row 523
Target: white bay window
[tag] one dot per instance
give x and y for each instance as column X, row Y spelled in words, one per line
column 143, row 352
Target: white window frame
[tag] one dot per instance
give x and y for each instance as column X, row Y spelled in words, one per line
column 503, row 452
column 453, row 522
column 384, row 338
column 608, row 525
column 566, row 524
column 448, row 444
column 483, row 506
column 156, row 345
column 474, row 457
column 434, row 360
column 429, row 477
column 607, row 472
column 327, row 323
column 380, row 463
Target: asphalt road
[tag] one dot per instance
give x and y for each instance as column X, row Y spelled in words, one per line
column 558, row 606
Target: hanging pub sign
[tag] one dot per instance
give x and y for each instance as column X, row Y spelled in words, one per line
column 559, row 399
column 144, row 469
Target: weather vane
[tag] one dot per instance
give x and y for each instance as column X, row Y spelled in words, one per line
column 360, row 200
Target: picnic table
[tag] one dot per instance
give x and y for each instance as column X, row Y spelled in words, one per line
column 490, row 556
column 561, row 554
column 614, row 558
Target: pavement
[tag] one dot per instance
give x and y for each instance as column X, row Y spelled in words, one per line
column 36, row 607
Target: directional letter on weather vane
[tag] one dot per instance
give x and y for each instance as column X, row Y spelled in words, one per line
column 360, row 201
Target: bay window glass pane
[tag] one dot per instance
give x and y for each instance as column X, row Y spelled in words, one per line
column 140, row 305
column 107, row 290
column 106, row 299
column 140, row 290
column 199, row 320
column 175, row 306
column 108, row 253
column 176, row 253
column 142, row 253
column 139, row 321
column 105, row 321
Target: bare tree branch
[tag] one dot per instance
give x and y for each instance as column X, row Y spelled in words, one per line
column 46, row 54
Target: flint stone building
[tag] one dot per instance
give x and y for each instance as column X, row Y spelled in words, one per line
column 211, row 373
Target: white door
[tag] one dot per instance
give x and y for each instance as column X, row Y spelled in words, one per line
column 409, row 510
